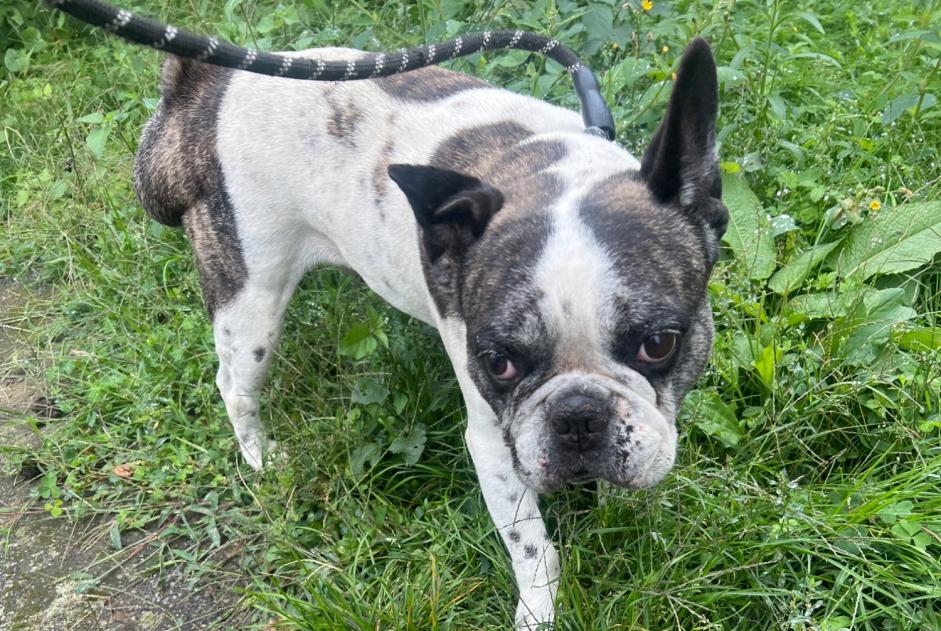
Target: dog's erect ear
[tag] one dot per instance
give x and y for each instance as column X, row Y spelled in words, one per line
column 452, row 209
column 681, row 164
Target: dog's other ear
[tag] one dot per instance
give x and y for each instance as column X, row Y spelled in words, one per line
column 681, row 164
column 452, row 209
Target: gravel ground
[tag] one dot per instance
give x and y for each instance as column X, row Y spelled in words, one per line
column 57, row 573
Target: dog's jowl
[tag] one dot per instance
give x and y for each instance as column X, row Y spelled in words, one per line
column 568, row 280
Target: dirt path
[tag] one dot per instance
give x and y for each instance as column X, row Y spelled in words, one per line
column 61, row 574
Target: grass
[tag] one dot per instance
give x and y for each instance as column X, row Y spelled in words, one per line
column 807, row 494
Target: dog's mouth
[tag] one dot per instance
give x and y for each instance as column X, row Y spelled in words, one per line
column 581, row 477
column 547, row 480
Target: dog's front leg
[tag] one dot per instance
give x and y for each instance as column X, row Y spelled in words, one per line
column 516, row 515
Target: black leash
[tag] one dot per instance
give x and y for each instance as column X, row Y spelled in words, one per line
column 211, row 50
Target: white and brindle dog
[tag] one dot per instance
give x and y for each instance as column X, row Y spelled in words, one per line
column 568, row 281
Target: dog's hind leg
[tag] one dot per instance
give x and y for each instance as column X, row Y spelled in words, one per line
column 246, row 332
column 247, row 282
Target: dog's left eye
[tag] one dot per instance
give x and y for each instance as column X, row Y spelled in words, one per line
column 657, row 348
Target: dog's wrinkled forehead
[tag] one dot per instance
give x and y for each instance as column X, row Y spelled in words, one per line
column 570, row 273
column 655, row 248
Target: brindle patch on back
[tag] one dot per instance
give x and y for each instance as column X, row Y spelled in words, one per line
column 345, row 116
column 502, row 155
column 380, row 173
column 428, row 84
column 474, row 150
column 520, row 174
column 178, row 177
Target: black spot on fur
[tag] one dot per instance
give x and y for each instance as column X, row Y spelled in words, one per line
column 259, row 353
column 428, row 84
column 530, row 551
column 380, row 175
column 344, row 119
column 515, row 536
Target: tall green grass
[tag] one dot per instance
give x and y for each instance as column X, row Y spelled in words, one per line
column 807, row 491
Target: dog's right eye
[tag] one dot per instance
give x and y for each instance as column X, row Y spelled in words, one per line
column 500, row 367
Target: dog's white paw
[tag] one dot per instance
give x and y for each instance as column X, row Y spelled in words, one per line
column 535, row 611
column 262, row 453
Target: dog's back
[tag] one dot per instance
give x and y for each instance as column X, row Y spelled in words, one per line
column 242, row 160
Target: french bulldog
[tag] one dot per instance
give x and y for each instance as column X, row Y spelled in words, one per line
column 567, row 280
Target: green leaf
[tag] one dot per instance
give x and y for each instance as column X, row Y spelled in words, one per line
column 782, row 224
column 811, row 19
column 368, row 390
column 789, row 277
column 599, row 21
column 749, row 232
column 714, row 417
column 827, row 59
column 411, row 445
column 358, row 342
column 898, row 240
column 115, row 536
column 16, row 60
column 95, row 118
column 926, row 35
column 96, row 141
column 58, row 189
column 766, row 362
column 891, row 513
column 778, row 106
column 897, row 107
column 836, row 623
column 868, row 322
column 399, row 402
column 922, row 339
column 367, row 453
column 626, row 73
column 818, row 306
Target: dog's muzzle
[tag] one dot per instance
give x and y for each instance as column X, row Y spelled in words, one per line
column 581, row 426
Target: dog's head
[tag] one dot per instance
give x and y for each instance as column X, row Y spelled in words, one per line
column 586, row 310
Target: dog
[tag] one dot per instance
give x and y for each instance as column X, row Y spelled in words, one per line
column 567, row 279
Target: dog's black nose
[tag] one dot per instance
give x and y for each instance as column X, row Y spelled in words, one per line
column 579, row 421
